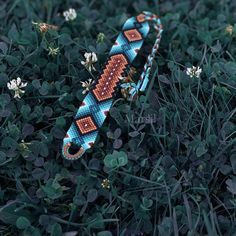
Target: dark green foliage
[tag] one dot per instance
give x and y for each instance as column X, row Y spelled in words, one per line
column 170, row 157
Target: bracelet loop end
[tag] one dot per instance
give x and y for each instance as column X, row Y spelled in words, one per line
column 68, row 154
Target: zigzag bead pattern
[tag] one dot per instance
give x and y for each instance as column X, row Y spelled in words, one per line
column 108, row 81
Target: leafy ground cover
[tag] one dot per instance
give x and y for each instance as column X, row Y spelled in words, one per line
column 163, row 165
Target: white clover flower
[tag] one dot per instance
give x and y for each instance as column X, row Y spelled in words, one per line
column 53, row 51
column 121, row 78
column 70, row 14
column 194, row 72
column 87, row 85
column 44, row 27
column 100, row 37
column 229, row 29
column 16, row 86
column 106, row 184
column 91, row 58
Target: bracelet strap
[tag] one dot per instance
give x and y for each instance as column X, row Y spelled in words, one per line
column 97, row 103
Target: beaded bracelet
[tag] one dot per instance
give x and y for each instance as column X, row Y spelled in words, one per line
column 97, row 103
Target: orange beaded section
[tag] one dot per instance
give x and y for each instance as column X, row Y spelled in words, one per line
column 110, row 77
column 133, row 35
column 86, row 125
